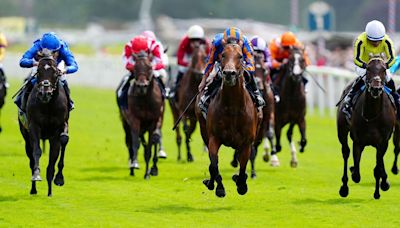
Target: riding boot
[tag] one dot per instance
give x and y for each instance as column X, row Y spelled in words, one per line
column 173, row 93
column 22, row 96
column 395, row 96
column 3, row 78
column 67, row 93
column 348, row 100
column 122, row 91
column 209, row 91
column 258, row 99
column 275, row 91
column 162, row 86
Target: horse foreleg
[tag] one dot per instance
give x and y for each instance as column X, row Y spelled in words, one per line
column 64, row 138
column 213, row 147
column 54, row 152
column 355, row 170
column 396, row 142
column 289, row 134
column 133, row 152
column 156, row 142
column 379, row 171
column 34, row 135
column 274, row 157
column 147, row 155
column 303, row 141
column 188, row 129
column 29, row 153
column 269, row 148
column 178, row 141
column 235, row 159
column 253, row 156
column 344, row 189
column 240, row 179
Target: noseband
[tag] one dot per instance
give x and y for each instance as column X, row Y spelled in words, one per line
column 45, row 87
column 375, row 84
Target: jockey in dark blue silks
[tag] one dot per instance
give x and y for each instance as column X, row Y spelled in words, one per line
column 49, row 43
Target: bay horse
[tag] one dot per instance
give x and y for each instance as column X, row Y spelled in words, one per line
column 47, row 117
column 372, row 123
column 188, row 88
column 3, row 90
column 292, row 107
column 231, row 120
column 144, row 114
column 266, row 128
column 396, row 143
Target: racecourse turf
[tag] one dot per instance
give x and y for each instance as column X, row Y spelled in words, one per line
column 99, row 192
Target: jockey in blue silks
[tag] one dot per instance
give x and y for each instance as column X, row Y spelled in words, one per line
column 50, row 43
column 213, row 65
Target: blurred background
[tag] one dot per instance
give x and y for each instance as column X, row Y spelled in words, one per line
column 97, row 30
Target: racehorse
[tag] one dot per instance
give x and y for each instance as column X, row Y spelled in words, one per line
column 292, row 107
column 188, row 89
column 47, row 117
column 144, row 114
column 3, row 90
column 372, row 123
column 231, row 120
column 266, row 129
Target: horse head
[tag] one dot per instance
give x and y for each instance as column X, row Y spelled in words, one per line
column 143, row 73
column 260, row 71
column 199, row 60
column 232, row 62
column 376, row 75
column 296, row 64
column 47, row 77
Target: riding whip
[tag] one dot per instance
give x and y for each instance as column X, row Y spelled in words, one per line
column 184, row 111
column 316, row 82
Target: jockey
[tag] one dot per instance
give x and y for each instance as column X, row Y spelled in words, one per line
column 136, row 45
column 260, row 46
column 279, row 48
column 213, row 60
column 395, row 67
column 49, row 42
column 373, row 41
column 3, row 45
column 194, row 34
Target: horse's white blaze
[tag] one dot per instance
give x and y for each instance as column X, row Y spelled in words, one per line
column 275, row 161
column 46, row 66
column 296, row 67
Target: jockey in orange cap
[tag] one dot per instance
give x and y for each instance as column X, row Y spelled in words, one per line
column 136, row 45
column 212, row 69
column 194, row 35
column 279, row 48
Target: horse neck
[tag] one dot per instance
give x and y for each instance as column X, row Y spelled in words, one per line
column 372, row 106
column 291, row 87
column 233, row 96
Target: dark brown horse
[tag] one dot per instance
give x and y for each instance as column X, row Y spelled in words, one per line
column 292, row 107
column 372, row 123
column 3, row 90
column 231, row 119
column 396, row 143
column 47, row 117
column 188, row 89
column 144, row 114
column 266, row 128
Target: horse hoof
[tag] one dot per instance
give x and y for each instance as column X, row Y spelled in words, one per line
column 131, row 172
column 275, row 161
column 266, row 157
column 293, row 164
column 179, row 158
column 220, row 191
column 147, row 176
column 154, row 171
column 301, row 149
column 253, row 175
column 209, row 184
column 190, row 158
column 395, row 170
column 33, row 192
column 385, row 186
column 377, row 195
column 235, row 177
column 49, row 195
column 356, row 177
column 1, row 129
column 234, row 163
column 242, row 189
column 59, row 181
column 344, row 191
column 278, row 148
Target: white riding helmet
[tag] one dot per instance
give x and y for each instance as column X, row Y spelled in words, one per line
column 259, row 44
column 375, row 30
column 195, row 32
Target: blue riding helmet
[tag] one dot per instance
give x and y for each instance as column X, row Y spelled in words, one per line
column 50, row 41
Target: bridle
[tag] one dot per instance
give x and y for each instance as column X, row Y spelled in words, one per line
column 45, row 87
column 375, row 90
column 231, row 77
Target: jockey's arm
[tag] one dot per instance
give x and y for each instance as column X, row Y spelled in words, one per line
column 396, row 65
column 69, row 60
column 128, row 59
column 248, row 56
column 157, row 60
column 389, row 52
column 182, row 49
column 358, row 52
column 27, row 60
column 3, row 45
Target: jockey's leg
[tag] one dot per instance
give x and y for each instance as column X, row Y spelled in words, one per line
column 67, row 93
column 3, row 76
column 258, row 99
column 209, row 91
column 348, row 100
column 395, row 95
column 161, row 85
column 122, row 91
column 179, row 76
column 22, row 96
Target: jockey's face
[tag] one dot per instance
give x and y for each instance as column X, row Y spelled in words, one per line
column 375, row 43
column 195, row 42
column 286, row 48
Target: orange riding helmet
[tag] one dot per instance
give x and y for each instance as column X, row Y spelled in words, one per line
column 288, row 39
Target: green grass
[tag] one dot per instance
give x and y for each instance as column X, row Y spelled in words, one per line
column 99, row 191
